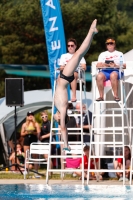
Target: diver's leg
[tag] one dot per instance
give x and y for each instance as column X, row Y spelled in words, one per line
column 74, row 61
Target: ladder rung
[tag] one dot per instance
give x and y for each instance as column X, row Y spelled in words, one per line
column 113, row 145
column 73, row 129
column 90, row 170
column 106, row 156
column 65, row 170
column 65, row 156
column 72, row 133
column 60, row 142
column 107, row 115
column 107, row 143
column 73, row 115
column 106, row 170
column 106, row 133
column 108, row 128
column 104, row 102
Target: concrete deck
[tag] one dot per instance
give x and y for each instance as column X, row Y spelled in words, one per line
column 59, row 182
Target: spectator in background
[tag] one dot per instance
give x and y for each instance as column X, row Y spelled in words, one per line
column 86, row 150
column 71, row 46
column 86, row 124
column 45, row 128
column 71, row 123
column 45, row 132
column 118, row 164
column 30, row 131
column 20, row 157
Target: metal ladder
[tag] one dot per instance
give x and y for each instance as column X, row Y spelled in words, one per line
column 56, row 131
column 102, row 111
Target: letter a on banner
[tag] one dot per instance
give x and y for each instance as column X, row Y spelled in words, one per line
column 55, row 38
column 54, row 32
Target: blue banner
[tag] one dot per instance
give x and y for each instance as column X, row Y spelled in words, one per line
column 54, row 32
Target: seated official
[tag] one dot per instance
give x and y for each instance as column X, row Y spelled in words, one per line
column 109, row 65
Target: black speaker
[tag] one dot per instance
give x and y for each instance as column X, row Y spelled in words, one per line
column 14, row 91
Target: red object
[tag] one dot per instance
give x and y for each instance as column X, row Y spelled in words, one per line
column 107, row 83
column 120, row 160
column 92, row 164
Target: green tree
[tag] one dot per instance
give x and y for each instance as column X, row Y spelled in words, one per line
column 22, row 39
column 126, row 6
column 22, row 35
column 77, row 17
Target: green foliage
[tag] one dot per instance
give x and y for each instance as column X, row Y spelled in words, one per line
column 22, row 34
column 22, row 39
column 78, row 16
column 128, row 6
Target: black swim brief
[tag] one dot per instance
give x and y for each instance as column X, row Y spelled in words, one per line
column 67, row 78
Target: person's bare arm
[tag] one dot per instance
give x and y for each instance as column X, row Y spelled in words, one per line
column 45, row 136
column 23, row 131
column 111, row 64
column 124, row 65
column 101, row 65
column 86, row 126
column 61, row 67
column 12, row 156
column 38, row 130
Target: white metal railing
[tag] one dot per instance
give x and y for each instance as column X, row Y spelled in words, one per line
column 81, row 81
column 100, row 129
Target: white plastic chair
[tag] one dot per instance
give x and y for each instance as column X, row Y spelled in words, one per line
column 36, row 149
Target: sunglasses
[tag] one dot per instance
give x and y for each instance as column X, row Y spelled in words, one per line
column 109, row 43
column 44, row 116
column 70, row 45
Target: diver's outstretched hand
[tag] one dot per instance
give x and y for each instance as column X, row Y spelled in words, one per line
column 93, row 26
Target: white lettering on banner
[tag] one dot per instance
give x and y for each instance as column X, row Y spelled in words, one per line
column 52, row 26
column 55, row 46
column 57, row 61
column 50, row 3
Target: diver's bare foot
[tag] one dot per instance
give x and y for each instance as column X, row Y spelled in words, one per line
column 93, row 26
column 67, row 148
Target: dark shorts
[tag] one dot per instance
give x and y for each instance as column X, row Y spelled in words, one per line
column 67, row 78
column 28, row 139
column 21, row 159
column 109, row 71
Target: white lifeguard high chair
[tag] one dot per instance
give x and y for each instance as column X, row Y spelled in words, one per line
column 56, row 131
column 109, row 126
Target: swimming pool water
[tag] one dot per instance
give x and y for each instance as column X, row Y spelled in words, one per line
column 65, row 192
